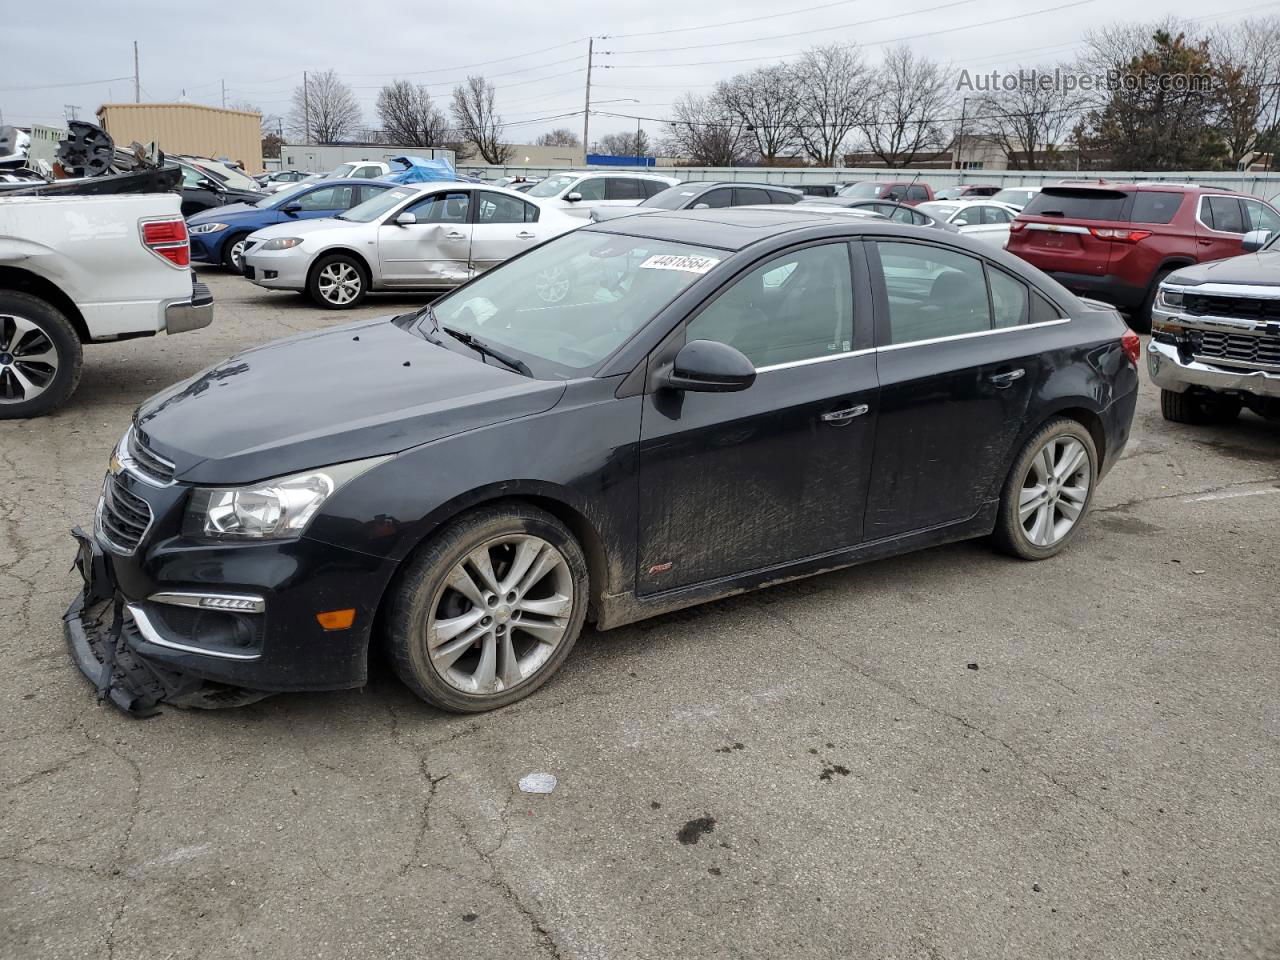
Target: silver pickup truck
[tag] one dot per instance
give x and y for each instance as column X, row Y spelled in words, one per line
column 1215, row 337
column 77, row 270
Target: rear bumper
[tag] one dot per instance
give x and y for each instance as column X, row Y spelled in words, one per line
column 1169, row 372
column 186, row 315
column 1107, row 288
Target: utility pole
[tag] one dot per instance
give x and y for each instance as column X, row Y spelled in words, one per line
column 137, row 85
column 224, row 94
column 964, row 107
column 306, row 111
column 586, row 110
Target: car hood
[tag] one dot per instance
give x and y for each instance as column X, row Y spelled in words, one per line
column 214, row 214
column 305, row 228
column 349, row 392
column 1255, row 269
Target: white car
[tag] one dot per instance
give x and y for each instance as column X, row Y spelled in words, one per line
column 582, row 191
column 1016, row 197
column 421, row 236
column 984, row 220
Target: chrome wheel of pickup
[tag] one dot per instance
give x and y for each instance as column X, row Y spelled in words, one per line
column 28, row 359
column 1055, row 490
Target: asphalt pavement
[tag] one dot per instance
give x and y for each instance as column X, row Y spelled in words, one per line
column 946, row 755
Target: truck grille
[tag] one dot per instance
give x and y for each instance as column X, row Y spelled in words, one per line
column 1235, row 348
column 123, row 517
column 149, row 463
column 1244, row 308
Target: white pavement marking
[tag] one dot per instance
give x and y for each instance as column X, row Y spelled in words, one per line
column 1232, row 495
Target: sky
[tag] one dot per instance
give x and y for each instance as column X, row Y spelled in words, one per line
column 80, row 52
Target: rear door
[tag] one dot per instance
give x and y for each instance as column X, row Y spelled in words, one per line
column 1220, row 227
column 623, row 192
column 1058, row 236
column 504, row 226
column 435, row 251
column 957, row 363
column 324, row 202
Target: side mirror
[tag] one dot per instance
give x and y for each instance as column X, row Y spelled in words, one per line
column 1255, row 240
column 406, row 218
column 573, row 197
column 708, row 366
column 702, row 206
column 206, row 184
column 291, row 209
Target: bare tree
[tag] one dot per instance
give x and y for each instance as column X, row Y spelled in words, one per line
column 325, row 112
column 831, row 86
column 623, row 144
column 409, row 116
column 559, row 137
column 1246, row 61
column 766, row 102
column 906, row 109
column 478, row 122
column 706, row 133
column 1028, row 120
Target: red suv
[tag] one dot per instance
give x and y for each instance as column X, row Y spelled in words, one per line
column 909, row 192
column 1117, row 241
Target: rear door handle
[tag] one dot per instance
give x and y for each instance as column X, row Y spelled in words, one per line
column 1007, row 379
column 525, row 235
column 844, row 416
column 455, row 236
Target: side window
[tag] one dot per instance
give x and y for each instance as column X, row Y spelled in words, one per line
column 443, row 208
column 968, row 217
column 722, row 197
column 779, row 196
column 369, row 191
column 327, row 198
column 917, row 194
column 1261, row 217
column 919, row 219
column 1223, row 213
column 367, row 172
column 746, row 195
column 191, row 178
column 932, row 292
column 650, row 187
column 995, row 215
column 1155, row 206
column 590, row 189
column 624, row 188
column 1042, row 310
column 1008, row 299
column 498, row 208
column 797, row 306
column 903, row 215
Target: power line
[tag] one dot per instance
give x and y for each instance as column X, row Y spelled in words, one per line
column 727, row 23
column 59, row 86
column 482, row 63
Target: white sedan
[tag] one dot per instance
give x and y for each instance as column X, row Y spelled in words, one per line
column 422, row 236
column 984, row 220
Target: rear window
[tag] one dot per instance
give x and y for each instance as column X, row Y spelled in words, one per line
column 1155, row 206
column 1073, row 204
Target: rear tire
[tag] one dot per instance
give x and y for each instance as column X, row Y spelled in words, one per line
column 338, row 282
column 1197, row 409
column 488, row 609
column 1048, row 492
column 40, row 356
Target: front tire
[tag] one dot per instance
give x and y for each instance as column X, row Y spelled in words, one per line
column 338, row 282
column 1198, row 409
column 488, row 609
column 40, row 356
column 233, row 252
column 1048, row 492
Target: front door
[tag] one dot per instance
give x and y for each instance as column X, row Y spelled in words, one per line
column 957, row 367
column 434, row 250
column 735, row 482
column 504, row 226
column 1220, row 228
column 321, row 202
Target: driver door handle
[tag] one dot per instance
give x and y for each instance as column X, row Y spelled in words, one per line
column 1008, row 378
column 455, row 236
column 525, row 235
column 839, row 417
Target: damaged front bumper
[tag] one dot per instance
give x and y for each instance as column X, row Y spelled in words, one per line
column 107, row 636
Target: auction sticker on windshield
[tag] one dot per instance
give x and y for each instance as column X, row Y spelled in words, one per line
column 671, row 261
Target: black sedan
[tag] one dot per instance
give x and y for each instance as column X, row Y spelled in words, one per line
column 719, row 400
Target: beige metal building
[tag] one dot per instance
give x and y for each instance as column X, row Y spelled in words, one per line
column 190, row 128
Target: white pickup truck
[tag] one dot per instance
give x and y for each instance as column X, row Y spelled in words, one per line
column 85, row 269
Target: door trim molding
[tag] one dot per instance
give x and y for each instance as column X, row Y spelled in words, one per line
column 976, row 333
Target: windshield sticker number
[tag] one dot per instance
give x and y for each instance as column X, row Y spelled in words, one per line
column 671, row 261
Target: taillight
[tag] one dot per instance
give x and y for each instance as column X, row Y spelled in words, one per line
column 1131, row 344
column 1017, row 226
column 1124, row 236
column 168, row 239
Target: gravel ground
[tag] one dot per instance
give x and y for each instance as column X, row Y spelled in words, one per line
column 945, row 755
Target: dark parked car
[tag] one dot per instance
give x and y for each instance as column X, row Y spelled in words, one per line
column 906, row 191
column 721, row 400
column 890, row 210
column 817, row 189
column 697, row 195
column 1118, row 241
column 967, row 191
column 203, row 188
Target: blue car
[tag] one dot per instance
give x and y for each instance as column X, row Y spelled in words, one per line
column 217, row 235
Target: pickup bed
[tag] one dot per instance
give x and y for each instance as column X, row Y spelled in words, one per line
column 76, row 270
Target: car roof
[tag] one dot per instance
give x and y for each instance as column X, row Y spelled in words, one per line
column 612, row 173
column 729, row 228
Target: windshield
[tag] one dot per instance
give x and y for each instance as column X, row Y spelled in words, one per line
column 375, row 207
column 865, row 189
column 341, row 170
column 271, row 199
column 674, row 198
column 943, row 211
column 1016, row 197
column 551, row 186
column 233, row 178
column 565, row 306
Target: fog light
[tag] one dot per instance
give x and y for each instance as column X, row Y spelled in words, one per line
column 336, row 619
column 270, row 274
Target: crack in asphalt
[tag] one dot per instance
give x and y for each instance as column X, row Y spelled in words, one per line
column 1127, row 505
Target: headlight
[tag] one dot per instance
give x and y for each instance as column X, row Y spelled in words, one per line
column 281, row 243
column 1171, row 298
column 270, row 510
column 208, row 227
